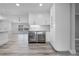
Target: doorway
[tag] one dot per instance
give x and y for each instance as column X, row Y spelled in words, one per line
column 77, row 28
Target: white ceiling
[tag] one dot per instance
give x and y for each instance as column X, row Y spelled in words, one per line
column 23, row 9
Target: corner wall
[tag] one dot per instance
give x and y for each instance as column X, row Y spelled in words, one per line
column 60, row 26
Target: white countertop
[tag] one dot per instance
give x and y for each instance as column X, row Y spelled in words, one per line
column 3, row 31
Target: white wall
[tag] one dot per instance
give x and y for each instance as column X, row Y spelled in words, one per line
column 4, row 31
column 60, row 36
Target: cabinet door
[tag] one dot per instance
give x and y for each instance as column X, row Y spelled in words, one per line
column 39, row 19
column 41, row 37
column 15, row 27
column 32, row 37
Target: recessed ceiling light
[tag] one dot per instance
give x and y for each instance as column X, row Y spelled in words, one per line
column 41, row 4
column 17, row 4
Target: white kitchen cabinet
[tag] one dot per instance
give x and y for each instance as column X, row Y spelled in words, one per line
column 4, row 25
column 4, row 31
column 3, row 37
column 39, row 19
column 14, row 27
column 18, row 20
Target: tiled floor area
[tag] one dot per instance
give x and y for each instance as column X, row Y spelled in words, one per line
column 18, row 46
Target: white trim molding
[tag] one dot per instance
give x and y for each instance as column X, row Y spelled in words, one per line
column 72, row 29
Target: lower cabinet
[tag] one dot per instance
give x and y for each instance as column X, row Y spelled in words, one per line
column 36, row 37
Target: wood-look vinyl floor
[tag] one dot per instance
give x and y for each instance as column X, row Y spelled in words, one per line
column 18, row 46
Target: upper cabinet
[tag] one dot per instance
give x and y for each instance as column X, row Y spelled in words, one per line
column 4, row 25
column 39, row 19
column 18, row 19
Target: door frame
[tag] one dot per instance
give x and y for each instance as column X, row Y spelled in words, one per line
column 72, row 28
